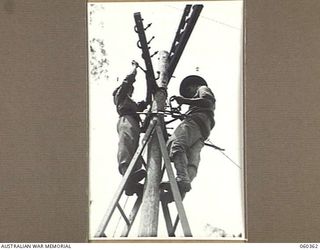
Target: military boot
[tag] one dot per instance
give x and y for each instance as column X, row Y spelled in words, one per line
column 133, row 186
column 166, row 194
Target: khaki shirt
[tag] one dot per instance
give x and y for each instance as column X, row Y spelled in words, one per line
column 204, row 117
column 122, row 99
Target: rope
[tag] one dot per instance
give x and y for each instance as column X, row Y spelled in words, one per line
column 228, row 157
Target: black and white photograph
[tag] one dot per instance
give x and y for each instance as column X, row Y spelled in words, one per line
column 166, row 154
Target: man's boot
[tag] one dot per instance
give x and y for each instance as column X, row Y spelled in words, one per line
column 133, row 186
column 166, row 194
column 137, row 176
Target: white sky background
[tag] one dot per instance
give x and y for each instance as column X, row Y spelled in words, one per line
column 215, row 48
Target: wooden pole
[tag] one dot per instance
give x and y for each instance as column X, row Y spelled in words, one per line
column 150, row 203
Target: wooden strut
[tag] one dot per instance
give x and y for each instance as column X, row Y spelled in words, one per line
column 118, row 193
column 174, row 186
column 132, row 216
column 154, row 126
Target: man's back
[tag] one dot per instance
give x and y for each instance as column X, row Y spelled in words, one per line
column 204, row 116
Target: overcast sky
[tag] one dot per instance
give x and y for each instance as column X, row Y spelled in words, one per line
column 214, row 52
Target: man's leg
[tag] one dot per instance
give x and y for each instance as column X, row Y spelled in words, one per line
column 193, row 155
column 129, row 133
column 194, row 158
column 185, row 135
column 180, row 162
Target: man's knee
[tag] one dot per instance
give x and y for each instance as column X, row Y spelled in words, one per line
column 176, row 148
column 192, row 171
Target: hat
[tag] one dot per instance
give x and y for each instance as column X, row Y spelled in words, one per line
column 192, row 79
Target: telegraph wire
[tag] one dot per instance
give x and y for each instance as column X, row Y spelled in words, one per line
column 209, row 19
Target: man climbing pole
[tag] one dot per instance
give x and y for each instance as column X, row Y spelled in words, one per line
column 128, row 129
column 187, row 140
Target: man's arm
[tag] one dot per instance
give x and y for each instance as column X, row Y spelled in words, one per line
column 121, row 92
column 131, row 77
column 203, row 99
column 142, row 106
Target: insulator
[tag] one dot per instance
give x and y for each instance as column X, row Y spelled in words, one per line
column 150, row 40
column 139, row 44
column 148, row 26
column 158, row 75
column 142, row 69
column 154, row 54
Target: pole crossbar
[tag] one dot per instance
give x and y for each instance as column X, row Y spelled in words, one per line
column 144, row 46
column 182, row 36
column 180, row 27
